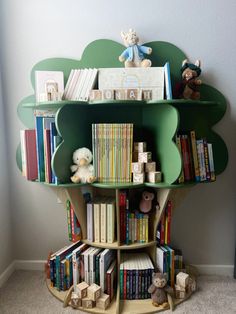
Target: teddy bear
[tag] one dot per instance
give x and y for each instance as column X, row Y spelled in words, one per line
column 82, row 168
column 145, row 204
column 133, row 55
column 160, row 292
column 189, row 87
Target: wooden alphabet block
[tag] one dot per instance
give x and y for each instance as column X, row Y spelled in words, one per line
column 94, row 292
column 144, row 157
column 182, row 279
column 133, row 94
column 95, row 94
column 192, row 284
column 137, row 167
column 180, row 292
column 87, row 303
column 140, row 147
column 154, row 176
column 103, row 302
column 120, row 94
column 147, row 94
column 138, row 177
column 81, row 289
column 108, row 94
column 75, row 301
column 150, row 166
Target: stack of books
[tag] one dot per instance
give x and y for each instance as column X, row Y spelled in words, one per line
column 136, row 271
column 197, row 155
column 79, row 84
column 101, row 220
column 112, row 151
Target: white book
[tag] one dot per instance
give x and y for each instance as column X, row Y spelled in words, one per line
column 97, row 220
column 68, row 84
column 201, row 159
column 84, row 87
column 85, row 255
column 103, row 221
column 91, row 83
column 90, row 224
column 23, row 152
column 79, row 85
column 75, row 263
column 49, row 85
column 75, row 82
column 168, row 88
column 211, row 161
column 105, row 260
column 111, row 221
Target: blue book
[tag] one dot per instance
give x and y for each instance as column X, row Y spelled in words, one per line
column 40, row 147
column 53, row 133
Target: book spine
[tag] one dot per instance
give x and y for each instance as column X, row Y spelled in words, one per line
column 195, row 155
column 69, row 220
column 206, row 160
column 211, row 162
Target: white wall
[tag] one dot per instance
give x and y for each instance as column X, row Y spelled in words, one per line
column 204, row 225
column 6, row 231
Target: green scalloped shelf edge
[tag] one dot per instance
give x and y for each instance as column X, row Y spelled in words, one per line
column 200, row 115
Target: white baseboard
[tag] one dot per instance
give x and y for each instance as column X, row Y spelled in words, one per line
column 29, row 265
column 220, row 270
column 7, row 273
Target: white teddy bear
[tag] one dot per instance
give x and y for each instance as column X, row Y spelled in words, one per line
column 84, row 171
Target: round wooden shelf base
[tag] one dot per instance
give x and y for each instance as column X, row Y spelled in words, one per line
column 126, row 307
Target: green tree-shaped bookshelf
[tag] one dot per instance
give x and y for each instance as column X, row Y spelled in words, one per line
column 155, row 122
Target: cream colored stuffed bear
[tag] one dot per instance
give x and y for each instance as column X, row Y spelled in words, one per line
column 84, row 171
column 133, row 55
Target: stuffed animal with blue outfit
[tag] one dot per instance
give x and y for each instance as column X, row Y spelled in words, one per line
column 133, row 55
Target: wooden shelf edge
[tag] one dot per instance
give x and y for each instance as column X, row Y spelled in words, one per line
column 115, row 245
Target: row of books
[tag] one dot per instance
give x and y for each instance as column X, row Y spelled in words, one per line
column 37, row 148
column 79, row 84
column 74, row 229
column 164, row 226
column 78, row 262
column 169, row 261
column 134, row 226
column 197, row 156
column 136, row 271
column 101, row 220
column 112, row 151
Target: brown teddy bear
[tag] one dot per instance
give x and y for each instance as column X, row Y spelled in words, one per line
column 160, row 293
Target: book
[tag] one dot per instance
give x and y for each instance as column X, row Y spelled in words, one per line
column 29, row 154
column 110, row 220
column 195, row 155
column 168, row 88
column 49, row 85
column 90, row 221
column 211, row 162
column 111, row 277
column 136, row 78
column 76, row 255
column 105, row 260
column 97, row 220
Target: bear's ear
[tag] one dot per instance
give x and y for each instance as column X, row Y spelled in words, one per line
column 184, row 62
column 122, row 34
column 198, row 63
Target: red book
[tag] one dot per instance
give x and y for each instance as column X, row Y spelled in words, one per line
column 186, row 157
column 31, row 155
column 122, row 205
column 168, row 221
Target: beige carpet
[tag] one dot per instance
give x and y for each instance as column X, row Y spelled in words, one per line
column 26, row 293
